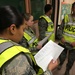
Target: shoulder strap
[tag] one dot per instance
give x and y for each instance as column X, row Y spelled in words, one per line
column 5, row 45
column 46, row 18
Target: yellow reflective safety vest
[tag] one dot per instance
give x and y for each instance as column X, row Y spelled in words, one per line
column 31, row 38
column 69, row 28
column 9, row 49
column 50, row 28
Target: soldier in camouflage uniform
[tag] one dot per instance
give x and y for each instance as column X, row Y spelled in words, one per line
column 24, row 42
column 45, row 24
column 15, row 59
column 66, row 34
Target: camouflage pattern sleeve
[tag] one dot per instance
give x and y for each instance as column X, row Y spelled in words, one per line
column 60, row 31
column 48, row 72
column 42, row 28
column 24, row 43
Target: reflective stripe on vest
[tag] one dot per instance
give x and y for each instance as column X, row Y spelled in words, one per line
column 71, row 23
column 6, row 45
column 49, row 33
column 32, row 40
column 70, row 35
column 69, row 29
column 10, row 51
column 50, row 27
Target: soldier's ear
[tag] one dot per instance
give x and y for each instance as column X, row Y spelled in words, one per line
column 12, row 29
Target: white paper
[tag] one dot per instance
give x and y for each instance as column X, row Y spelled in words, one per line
column 50, row 51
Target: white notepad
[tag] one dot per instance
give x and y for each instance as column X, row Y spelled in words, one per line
column 50, row 51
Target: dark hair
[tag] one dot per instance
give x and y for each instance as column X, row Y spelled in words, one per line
column 10, row 15
column 47, row 7
column 73, row 5
column 26, row 16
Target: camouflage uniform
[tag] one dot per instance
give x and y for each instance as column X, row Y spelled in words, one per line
column 19, row 65
column 43, row 24
column 71, row 50
column 25, row 44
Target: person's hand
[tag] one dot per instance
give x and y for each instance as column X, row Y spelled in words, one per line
column 39, row 46
column 52, row 65
column 63, row 40
column 73, row 44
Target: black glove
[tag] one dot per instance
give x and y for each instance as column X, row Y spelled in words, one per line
column 68, row 46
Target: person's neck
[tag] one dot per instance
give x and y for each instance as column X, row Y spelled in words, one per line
column 47, row 14
column 4, row 36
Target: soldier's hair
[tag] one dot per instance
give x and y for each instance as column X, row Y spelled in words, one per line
column 26, row 16
column 47, row 7
column 73, row 5
column 10, row 15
